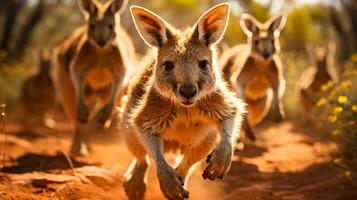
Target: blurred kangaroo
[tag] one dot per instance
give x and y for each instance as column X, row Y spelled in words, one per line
column 255, row 70
column 92, row 65
column 180, row 102
column 314, row 77
column 38, row 95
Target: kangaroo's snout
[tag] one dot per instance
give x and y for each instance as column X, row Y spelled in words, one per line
column 266, row 55
column 188, row 91
column 101, row 43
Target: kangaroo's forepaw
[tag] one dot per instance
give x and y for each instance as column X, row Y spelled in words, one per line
column 171, row 184
column 134, row 187
column 219, row 162
column 104, row 114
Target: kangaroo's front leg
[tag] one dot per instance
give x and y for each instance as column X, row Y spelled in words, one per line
column 79, row 147
column 82, row 108
column 171, row 183
column 219, row 161
column 105, row 113
column 277, row 107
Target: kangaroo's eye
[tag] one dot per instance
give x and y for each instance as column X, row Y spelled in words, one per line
column 111, row 27
column 203, row 64
column 256, row 42
column 168, row 65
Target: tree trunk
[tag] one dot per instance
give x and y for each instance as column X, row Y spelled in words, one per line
column 350, row 8
column 10, row 20
column 342, row 33
column 27, row 30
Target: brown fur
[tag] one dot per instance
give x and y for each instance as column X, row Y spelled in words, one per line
column 314, row 77
column 92, row 65
column 255, row 70
column 38, row 96
column 160, row 117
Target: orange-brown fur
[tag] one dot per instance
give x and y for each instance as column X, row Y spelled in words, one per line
column 255, row 70
column 38, row 95
column 161, row 113
column 314, row 77
column 92, row 67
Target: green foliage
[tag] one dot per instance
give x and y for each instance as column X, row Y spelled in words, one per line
column 294, row 64
column 11, row 78
column 339, row 111
column 299, row 29
column 259, row 11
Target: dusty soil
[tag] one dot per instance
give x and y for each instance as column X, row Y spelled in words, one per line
column 285, row 163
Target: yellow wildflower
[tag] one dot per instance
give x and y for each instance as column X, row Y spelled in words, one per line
column 354, row 57
column 337, row 161
column 347, row 174
column 326, row 86
column 345, row 84
column 337, row 110
column 342, row 99
column 336, row 132
column 321, row 102
column 354, row 108
column 332, row 119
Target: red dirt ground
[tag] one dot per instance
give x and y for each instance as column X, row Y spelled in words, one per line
column 285, row 163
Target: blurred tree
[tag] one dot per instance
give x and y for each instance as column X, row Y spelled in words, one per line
column 15, row 47
column 12, row 8
column 344, row 21
column 27, row 29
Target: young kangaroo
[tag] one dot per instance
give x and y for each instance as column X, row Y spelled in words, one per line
column 180, row 102
column 255, row 70
column 314, row 77
column 38, row 95
column 92, row 65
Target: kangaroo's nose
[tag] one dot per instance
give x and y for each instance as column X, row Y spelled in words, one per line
column 266, row 55
column 188, row 91
column 101, row 43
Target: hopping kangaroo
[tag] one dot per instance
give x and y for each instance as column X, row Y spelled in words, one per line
column 314, row 77
column 255, row 70
column 180, row 102
column 92, row 65
column 38, row 95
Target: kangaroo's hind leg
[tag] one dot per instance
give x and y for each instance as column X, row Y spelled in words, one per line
column 135, row 176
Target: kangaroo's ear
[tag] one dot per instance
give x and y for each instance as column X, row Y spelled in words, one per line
column 249, row 24
column 212, row 24
column 277, row 23
column 116, row 6
column 87, row 7
column 152, row 28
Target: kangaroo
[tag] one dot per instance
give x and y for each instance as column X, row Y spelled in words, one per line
column 314, row 77
column 180, row 102
column 38, row 96
column 92, row 64
column 255, row 70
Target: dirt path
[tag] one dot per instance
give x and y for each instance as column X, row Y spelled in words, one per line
column 283, row 164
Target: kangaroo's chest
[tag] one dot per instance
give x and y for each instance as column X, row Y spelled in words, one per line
column 255, row 79
column 189, row 129
column 99, row 66
column 99, row 77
